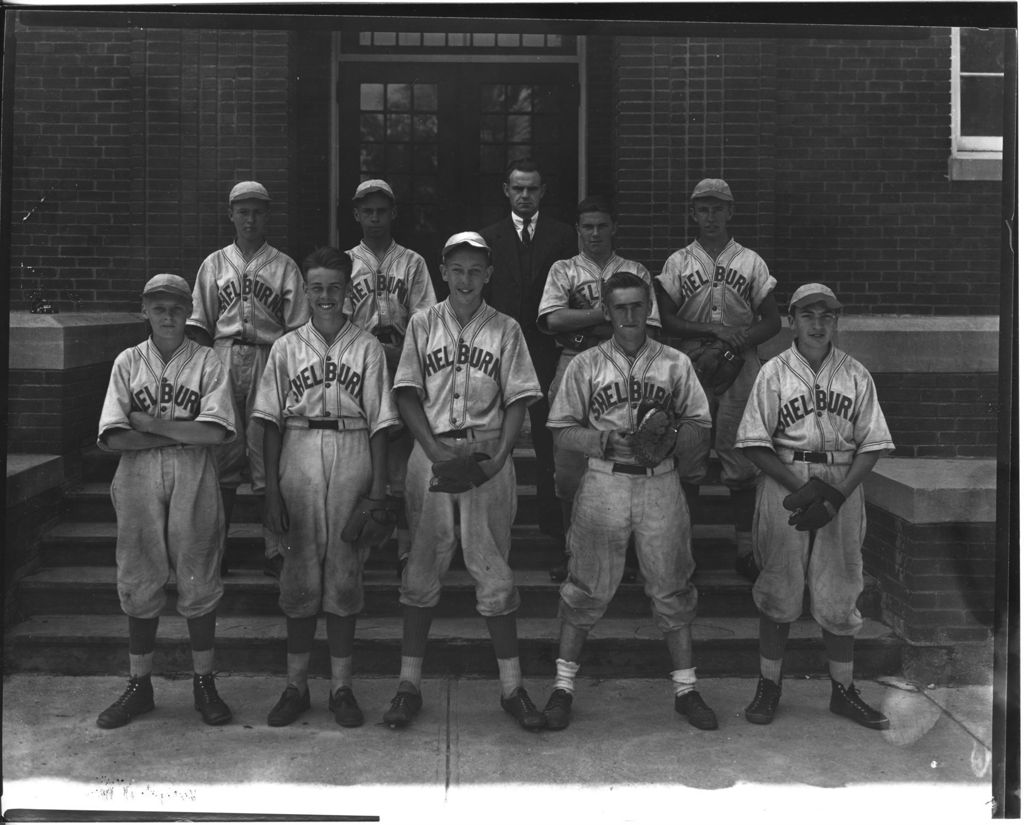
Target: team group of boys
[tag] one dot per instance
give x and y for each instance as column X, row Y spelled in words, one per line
column 356, row 403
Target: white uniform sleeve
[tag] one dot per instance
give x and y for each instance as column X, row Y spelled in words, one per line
column 294, row 306
column 654, row 319
column 215, row 403
column 569, row 406
column 761, row 414
column 270, row 395
column 378, row 401
column 764, row 283
column 205, row 304
column 410, row 365
column 671, row 273
column 692, row 404
column 556, row 293
column 518, row 377
column 870, row 429
column 420, row 287
column 117, row 402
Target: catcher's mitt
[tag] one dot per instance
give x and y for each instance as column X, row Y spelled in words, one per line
column 371, row 521
column 814, row 505
column 457, row 475
column 654, row 438
column 717, row 365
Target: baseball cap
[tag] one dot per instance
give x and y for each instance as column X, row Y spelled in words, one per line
column 473, row 239
column 368, row 187
column 812, row 294
column 712, row 188
column 248, row 189
column 171, row 284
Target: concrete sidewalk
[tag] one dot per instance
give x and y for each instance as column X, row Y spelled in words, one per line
column 626, row 758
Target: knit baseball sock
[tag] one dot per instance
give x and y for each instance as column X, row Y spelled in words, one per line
column 412, row 670
column 202, row 661
column 772, row 669
column 565, row 675
column 142, row 635
column 510, row 675
column 341, row 672
column 140, row 664
column 504, row 636
column 298, row 671
column 839, row 652
column 341, row 635
column 772, row 637
column 684, row 680
column 201, row 631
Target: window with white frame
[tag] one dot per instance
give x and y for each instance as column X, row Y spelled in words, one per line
column 977, row 103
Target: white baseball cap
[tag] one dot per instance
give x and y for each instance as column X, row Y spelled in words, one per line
column 246, row 189
column 473, row 239
column 171, row 284
column 813, row 294
column 368, row 187
column 712, row 188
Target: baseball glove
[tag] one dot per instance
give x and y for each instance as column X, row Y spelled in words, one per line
column 814, row 505
column 717, row 365
column 654, row 438
column 578, row 339
column 457, row 475
column 371, row 521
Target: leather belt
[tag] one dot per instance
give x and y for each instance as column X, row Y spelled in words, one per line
column 453, row 434
column 344, row 423
column 631, row 469
column 811, row 457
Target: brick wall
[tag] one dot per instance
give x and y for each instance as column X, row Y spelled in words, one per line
column 836, row 150
column 600, row 116
column 937, row 580
column 862, row 195
column 127, row 141
column 941, row 415
column 53, row 411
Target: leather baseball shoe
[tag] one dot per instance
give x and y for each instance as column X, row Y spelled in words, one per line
column 520, row 706
column 558, row 709
column 766, row 701
column 404, row 706
column 345, row 708
column 847, row 702
column 289, row 707
column 136, row 700
column 208, row 702
column 692, row 706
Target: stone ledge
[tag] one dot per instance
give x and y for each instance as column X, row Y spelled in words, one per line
column 72, row 339
column 911, row 343
column 29, row 474
column 934, row 490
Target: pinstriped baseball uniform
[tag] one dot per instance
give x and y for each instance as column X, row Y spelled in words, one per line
column 728, row 291
column 385, row 293
column 324, row 472
column 465, row 377
column 602, row 390
column 835, row 411
column 575, row 283
column 244, row 306
column 169, row 512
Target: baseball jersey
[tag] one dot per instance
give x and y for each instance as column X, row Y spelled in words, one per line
column 603, row 389
column 725, row 290
column 253, row 301
column 833, row 409
column 191, row 386
column 385, row 292
column 310, row 377
column 465, row 376
column 575, row 283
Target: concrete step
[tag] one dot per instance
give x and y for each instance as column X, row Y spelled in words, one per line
column 84, row 645
column 91, row 502
column 92, row 591
column 92, row 543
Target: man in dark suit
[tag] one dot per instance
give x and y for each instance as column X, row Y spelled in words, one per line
column 521, row 263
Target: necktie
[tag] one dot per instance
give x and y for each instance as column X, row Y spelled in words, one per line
column 526, row 233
